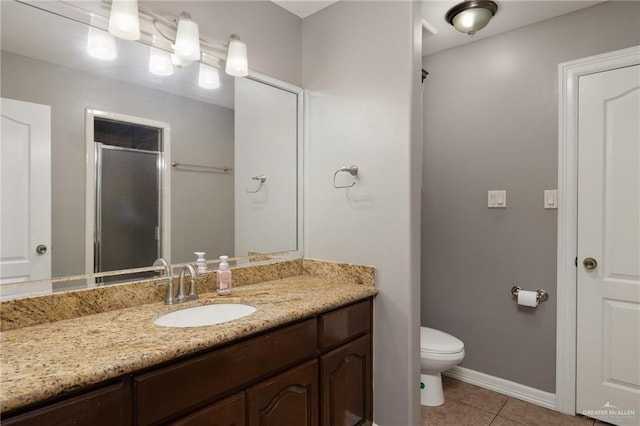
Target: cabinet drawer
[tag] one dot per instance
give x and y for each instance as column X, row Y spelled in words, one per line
column 228, row 412
column 107, row 406
column 344, row 323
column 171, row 390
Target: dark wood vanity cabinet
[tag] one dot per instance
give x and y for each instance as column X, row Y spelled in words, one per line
column 345, row 377
column 346, row 396
column 290, row 398
column 106, row 406
column 228, row 412
column 314, row 372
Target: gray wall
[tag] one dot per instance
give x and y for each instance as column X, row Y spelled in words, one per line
column 361, row 67
column 273, row 35
column 490, row 122
column 202, row 203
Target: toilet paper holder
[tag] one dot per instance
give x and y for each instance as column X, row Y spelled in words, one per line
column 541, row 297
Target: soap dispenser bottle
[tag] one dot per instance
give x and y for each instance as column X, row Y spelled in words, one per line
column 201, row 262
column 224, row 277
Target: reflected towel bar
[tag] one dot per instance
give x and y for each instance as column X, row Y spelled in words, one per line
column 214, row 169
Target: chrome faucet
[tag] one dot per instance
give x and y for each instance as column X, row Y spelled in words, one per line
column 182, row 297
column 170, row 300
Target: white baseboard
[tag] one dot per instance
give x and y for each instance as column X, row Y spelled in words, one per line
column 506, row 387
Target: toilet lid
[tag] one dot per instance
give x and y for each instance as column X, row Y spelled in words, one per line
column 436, row 341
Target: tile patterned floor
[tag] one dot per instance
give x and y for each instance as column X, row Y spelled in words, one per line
column 469, row 405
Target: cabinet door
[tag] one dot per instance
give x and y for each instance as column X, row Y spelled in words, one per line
column 345, row 384
column 290, row 398
column 107, row 406
column 177, row 388
column 228, row 412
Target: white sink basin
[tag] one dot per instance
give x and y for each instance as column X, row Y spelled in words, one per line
column 199, row 316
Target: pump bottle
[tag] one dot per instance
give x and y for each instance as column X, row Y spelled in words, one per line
column 224, row 277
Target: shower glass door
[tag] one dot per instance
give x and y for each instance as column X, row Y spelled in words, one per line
column 128, row 208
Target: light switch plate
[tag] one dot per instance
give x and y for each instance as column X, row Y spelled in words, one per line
column 497, row 199
column 550, row 198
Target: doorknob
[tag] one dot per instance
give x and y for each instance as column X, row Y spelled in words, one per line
column 41, row 249
column 590, row 263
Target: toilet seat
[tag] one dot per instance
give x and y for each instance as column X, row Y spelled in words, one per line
column 434, row 341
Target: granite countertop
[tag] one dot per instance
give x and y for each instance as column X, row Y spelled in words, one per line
column 45, row 360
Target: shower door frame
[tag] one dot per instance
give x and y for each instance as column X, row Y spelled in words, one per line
column 90, row 173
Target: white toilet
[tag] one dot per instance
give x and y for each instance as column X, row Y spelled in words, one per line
column 439, row 351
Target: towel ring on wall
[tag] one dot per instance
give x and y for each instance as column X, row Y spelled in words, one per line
column 353, row 170
column 262, row 180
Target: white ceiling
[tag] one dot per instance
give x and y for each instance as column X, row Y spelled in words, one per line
column 303, row 8
column 511, row 14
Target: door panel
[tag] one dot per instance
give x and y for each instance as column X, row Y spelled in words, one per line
column 608, row 335
column 290, row 398
column 25, row 174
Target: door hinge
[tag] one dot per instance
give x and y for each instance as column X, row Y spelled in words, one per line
column 576, row 262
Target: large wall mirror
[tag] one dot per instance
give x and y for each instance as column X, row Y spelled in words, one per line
column 107, row 165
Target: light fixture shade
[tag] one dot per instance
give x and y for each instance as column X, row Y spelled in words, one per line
column 208, row 78
column 187, row 44
column 472, row 20
column 471, row 16
column 237, row 64
column 123, row 21
column 101, row 45
column 160, row 62
column 179, row 62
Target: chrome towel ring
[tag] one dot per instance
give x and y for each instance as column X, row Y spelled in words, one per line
column 352, row 170
column 262, row 180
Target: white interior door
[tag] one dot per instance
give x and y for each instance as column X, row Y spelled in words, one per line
column 25, row 190
column 608, row 287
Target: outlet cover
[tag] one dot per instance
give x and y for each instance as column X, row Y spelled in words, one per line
column 550, row 198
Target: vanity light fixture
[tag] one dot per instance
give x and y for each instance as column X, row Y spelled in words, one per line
column 187, row 45
column 123, row 21
column 100, row 44
column 160, row 59
column 184, row 35
column 470, row 17
column 237, row 64
column 208, row 77
column 160, row 62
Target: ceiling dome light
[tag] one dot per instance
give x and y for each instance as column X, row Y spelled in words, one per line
column 237, row 64
column 471, row 16
column 187, row 45
column 123, row 21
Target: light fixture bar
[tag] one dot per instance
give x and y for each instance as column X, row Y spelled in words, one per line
column 213, row 52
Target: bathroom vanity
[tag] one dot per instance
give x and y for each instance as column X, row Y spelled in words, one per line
column 304, row 358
